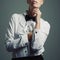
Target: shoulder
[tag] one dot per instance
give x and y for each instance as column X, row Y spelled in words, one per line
column 46, row 26
column 16, row 17
column 46, row 23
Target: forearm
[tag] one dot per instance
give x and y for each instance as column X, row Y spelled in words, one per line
column 37, row 26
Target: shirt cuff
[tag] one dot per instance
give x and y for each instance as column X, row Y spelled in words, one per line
column 36, row 31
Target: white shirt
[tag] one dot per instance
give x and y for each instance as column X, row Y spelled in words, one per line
column 17, row 39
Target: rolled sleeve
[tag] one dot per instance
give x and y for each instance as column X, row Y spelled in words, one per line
column 13, row 44
column 14, row 41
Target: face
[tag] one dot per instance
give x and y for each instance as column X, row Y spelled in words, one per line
column 35, row 3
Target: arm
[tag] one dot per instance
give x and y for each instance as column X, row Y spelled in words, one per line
column 38, row 36
column 13, row 41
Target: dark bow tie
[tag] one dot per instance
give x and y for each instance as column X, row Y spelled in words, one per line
column 28, row 18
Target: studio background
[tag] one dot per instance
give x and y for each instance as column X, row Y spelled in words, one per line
column 50, row 12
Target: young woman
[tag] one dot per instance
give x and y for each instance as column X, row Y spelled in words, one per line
column 27, row 33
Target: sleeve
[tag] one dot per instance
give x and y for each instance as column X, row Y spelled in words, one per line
column 14, row 42
column 39, row 37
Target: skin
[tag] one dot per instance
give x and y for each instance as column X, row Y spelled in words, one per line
column 34, row 11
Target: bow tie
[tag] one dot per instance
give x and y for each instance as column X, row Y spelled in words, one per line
column 28, row 18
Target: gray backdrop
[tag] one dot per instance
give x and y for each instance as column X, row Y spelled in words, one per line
column 50, row 12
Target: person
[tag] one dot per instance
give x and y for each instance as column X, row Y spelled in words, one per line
column 27, row 32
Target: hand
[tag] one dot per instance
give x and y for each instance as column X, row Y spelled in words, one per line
column 37, row 13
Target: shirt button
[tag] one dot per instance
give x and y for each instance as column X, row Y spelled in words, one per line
column 36, row 32
column 26, row 44
column 25, row 51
